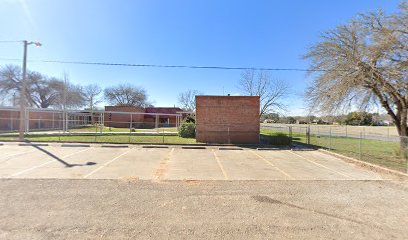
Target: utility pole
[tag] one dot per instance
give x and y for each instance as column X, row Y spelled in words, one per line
column 23, row 90
column 23, row 94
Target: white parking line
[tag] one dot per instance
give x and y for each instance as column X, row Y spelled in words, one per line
column 271, row 164
column 46, row 163
column 106, row 164
column 16, row 154
column 220, row 165
column 318, row 164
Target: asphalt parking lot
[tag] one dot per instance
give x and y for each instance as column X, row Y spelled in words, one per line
column 174, row 163
column 132, row 192
column 129, row 209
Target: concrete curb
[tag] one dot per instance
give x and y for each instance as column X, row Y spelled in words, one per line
column 33, row 144
column 75, row 145
column 114, row 146
column 193, row 147
column 229, row 148
column 267, row 149
column 366, row 164
column 152, row 146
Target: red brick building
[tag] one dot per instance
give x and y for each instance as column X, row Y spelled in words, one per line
column 151, row 117
column 114, row 116
column 10, row 120
column 227, row 119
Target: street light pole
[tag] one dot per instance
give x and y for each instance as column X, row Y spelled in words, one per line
column 23, row 90
column 23, row 93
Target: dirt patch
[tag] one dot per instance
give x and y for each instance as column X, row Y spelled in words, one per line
column 130, row 179
column 192, row 182
column 163, row 167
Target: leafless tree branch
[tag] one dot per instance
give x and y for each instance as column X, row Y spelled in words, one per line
column 366, row 61
column 270, row 91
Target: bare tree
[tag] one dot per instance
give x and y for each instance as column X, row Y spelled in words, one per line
column 270, row 91
column 10, row 81
column 361, row 62
column 187, row 100
column 66, row 95
column 126, row 95
column 91, row 95
column 42, row 91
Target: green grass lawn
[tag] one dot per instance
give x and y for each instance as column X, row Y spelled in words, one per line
column 383, row 153
column 275, row 137
column 117, row 138
column 94, row 129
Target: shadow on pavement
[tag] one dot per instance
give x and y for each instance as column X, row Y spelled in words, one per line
column 60, row 160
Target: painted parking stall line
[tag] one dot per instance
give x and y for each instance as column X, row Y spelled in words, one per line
column 46, row 163
column 7, row 156
column 220, row 165
column 320, row 165
column 271, row 164
column 107, row 163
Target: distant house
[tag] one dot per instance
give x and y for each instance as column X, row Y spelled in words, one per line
column 384, row 123
column 301, row 121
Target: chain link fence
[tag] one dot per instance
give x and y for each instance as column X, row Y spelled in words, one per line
column 369, row 146
column 91, row 126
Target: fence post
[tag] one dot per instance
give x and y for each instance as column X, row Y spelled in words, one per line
column 330, row 136
column 63, row 121
column 359, row 145
column 96, row 131
column 27, row 119
column 66, row 122
column 290, row 135
column 156, row 122
column 101, row 122
column 11, row 121
column 130, row 126
column 308, row 134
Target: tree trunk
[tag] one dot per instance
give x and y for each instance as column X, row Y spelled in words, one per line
column 403, row 133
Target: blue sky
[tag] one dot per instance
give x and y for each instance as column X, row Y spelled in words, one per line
column 212, row 32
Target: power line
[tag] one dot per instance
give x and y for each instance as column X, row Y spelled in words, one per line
column 176, row 66
column 11, row 41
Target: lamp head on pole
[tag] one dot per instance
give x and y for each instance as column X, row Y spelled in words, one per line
column 37, row 44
